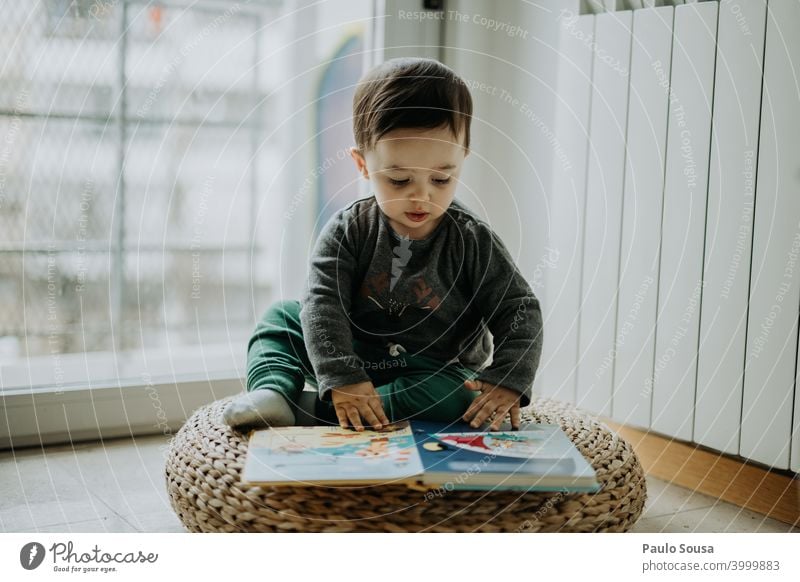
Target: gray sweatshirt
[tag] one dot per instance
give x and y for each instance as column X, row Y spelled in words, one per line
column 449, row 296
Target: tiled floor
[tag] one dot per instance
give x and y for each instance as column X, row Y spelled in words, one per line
column 119, row 487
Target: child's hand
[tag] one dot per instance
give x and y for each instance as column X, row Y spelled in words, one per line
column 353, row 402
column 493, row 398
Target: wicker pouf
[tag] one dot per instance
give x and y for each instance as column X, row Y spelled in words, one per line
column 206, row 458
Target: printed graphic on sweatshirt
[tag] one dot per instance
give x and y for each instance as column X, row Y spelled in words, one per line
column 401, row 253
column 417, row 292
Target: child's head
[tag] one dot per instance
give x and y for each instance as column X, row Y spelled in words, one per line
column 411, row 120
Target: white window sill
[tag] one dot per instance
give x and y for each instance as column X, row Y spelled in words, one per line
column 153, row 394
column 64, row 372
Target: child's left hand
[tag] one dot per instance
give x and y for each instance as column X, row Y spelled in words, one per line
column 493, row 398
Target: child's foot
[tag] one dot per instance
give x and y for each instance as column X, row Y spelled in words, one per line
column 260, row 408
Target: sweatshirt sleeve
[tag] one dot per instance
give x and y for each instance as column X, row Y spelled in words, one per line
column 325, row 308
column 512, row 313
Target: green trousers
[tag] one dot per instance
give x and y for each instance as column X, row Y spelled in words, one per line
column 410, row 386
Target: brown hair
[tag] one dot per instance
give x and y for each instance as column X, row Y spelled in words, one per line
column 409, row 92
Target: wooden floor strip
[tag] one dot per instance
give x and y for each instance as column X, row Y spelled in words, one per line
column 768, row 492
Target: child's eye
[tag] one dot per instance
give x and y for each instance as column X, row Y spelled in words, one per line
column 441, row 180
column 394, row 182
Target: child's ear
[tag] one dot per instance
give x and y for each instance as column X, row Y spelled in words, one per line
column 361, row 163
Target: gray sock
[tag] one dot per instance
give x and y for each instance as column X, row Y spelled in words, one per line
column 260, row 408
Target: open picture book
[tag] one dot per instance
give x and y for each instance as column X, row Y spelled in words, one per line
column 420, row 454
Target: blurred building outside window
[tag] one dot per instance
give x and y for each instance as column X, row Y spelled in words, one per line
column 143, row 174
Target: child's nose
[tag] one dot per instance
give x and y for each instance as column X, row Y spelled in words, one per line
column 421, row 196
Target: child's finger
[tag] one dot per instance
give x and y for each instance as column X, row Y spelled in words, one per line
column 377, row 406
column 515, row 416
column 481, row 416
column 341, row 415
column 475, row 385
column 348, row 416
column 354, row 418
column 369, row 416
column 501, row 415
column 474, row 407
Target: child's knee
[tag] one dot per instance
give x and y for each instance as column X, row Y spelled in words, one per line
column 279, row 310
column 280, row 316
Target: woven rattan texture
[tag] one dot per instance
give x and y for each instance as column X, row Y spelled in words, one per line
column 206, row 458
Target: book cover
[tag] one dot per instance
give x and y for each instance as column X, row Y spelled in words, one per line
column 420, row 454
column 331, row 455
column 538, row 457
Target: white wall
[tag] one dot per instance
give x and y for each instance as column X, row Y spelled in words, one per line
column 511, row 66
column 513, row 76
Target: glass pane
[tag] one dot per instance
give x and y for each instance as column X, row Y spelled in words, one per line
column 60, row 57
column 54, row 302
column 175, row 298
column 188, row 186
column 220, row 101
column 196, row 64
column 57, row 181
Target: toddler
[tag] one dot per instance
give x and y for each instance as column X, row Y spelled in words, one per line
column 404, row 285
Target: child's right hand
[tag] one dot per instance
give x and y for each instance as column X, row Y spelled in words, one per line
column 353, row 402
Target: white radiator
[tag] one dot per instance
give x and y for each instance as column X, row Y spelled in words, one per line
column 676, row 212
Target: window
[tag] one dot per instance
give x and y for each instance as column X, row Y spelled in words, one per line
column 145, row 161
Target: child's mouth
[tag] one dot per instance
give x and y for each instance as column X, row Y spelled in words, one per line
column 417, row 216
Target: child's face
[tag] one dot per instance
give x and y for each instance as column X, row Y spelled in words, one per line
column 414, row 174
